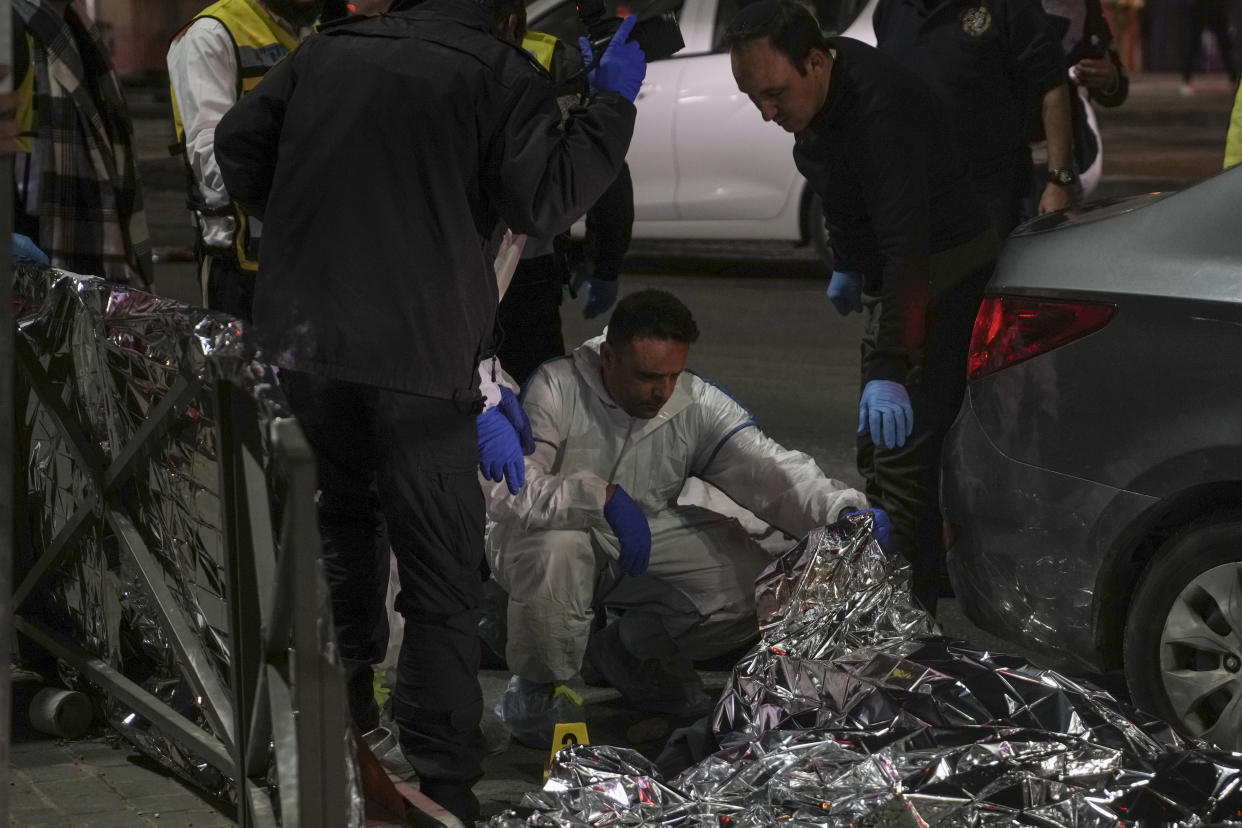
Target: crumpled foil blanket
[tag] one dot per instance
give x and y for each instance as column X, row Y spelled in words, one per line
column 113, row 354
column 851, row 710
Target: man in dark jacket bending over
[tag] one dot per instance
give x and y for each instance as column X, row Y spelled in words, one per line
column 380, row 156
column 906, row 228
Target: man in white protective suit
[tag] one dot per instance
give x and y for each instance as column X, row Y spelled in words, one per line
column 619, row 428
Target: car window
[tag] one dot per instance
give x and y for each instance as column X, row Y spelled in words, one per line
column 835, row 16
column 563, row 22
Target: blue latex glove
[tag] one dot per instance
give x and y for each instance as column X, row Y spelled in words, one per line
column 631, row 528
column 600, row 297
column 885, row 409
column 879, row 524
column 845, row 291
column 623, row 66
column 25, row 250
column 512, row 409
column 500, row 450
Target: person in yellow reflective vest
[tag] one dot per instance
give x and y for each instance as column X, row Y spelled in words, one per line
column 1233, row 143
column 217, row 58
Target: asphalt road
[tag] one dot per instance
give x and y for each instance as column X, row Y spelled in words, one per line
column 769, row 335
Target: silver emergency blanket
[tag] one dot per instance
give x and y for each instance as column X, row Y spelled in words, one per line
column 852, row 711
column 114, row 358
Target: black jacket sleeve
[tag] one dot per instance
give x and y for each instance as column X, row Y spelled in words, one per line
column 544, row 178
column 248, row 136
column 892, row 159
column 1035, row 51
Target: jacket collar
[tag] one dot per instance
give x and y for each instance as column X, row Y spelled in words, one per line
column 834, row 102
column 467, row 12
column 587, row 365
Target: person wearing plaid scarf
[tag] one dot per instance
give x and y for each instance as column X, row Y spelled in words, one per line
column 77, row 189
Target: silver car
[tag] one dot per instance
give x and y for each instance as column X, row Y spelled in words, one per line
column 1092, row 483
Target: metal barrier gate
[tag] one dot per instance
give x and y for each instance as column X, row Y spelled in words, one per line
column 168, row 551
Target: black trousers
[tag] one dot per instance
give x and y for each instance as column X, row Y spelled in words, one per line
column 407, row 465
column 530, row 317
column 1209, row 15
column 905, row 481
column 226, row 287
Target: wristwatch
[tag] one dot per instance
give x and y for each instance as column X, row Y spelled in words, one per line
column 1062, row 176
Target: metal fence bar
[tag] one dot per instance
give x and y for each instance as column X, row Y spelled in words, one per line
column 153, row 427
column 233, row 419
column 285, row 699
column 8, row 428
column 214, row 697
column 86, row 453
column 160, row 715
column 321, row 721
column 61, row 546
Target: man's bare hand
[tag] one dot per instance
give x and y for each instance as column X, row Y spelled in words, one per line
column 1096, row 73
column 1055, row 197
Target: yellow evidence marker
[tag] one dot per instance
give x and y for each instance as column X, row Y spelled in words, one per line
column 566, row 734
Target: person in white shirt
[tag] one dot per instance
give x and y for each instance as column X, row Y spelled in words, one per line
column 219, row 56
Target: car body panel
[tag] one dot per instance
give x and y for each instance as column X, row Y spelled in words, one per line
column 1032, row 541
column 750, row 176
column 1138, row 247
column 1060, row 467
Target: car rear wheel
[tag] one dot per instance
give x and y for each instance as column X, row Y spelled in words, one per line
column 1183, row 639
column 818, row 232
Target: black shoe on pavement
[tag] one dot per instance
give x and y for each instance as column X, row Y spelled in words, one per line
column 668, row 685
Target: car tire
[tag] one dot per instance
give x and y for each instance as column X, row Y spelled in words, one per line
column 1183, row 636
column 817, row 232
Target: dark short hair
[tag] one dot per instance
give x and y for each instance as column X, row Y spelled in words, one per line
column 651, row 314
column 789, row 25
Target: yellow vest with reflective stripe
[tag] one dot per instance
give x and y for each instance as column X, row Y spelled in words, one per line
column 259, row 43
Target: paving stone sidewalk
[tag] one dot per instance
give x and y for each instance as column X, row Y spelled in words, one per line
column 92, row 783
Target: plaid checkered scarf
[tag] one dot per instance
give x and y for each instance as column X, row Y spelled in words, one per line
column 90, row 206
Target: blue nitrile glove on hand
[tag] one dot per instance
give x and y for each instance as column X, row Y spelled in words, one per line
column 511, row 407
column 879, row 524
column 600, row 296
column 25, row 250
column 631, row 528
column 845, row 291
column 623, row 66
column 500, row 450
column 885, row 409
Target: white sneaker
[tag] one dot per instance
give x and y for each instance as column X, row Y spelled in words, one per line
column 1186, row 90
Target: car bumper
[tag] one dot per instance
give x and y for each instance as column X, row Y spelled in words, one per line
column 1030, row 543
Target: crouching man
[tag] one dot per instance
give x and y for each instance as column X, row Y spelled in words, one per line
column 618, row 429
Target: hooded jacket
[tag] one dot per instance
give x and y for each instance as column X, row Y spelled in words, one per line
column 584, row 440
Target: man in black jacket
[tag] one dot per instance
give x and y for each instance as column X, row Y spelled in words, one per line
column 998, row 69
column 381, row 156
column 904, row 224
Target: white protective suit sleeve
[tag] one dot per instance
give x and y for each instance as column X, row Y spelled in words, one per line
column 548, row 500
column 784, row 488
column 202, row 66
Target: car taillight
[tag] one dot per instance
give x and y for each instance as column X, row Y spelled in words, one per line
column 1010, row 329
